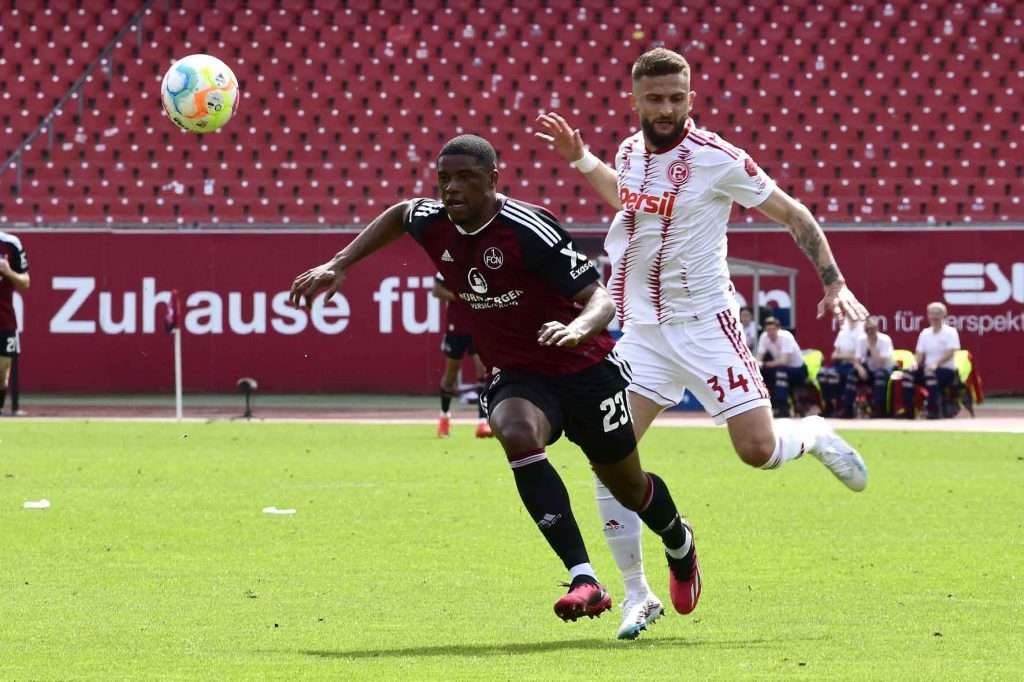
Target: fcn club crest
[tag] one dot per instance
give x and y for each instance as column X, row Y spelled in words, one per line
column 494, row 258
column 678, row 171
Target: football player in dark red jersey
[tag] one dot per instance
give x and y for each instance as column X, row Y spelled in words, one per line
column 457, row 344
column 13, row 276
column 538, row 314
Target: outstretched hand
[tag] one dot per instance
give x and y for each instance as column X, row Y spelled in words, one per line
column 557, row 132
column 841, row 303
column 310, row 283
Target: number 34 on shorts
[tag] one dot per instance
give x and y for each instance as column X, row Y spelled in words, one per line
column 736, row 381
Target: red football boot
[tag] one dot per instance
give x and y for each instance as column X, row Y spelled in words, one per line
column 444, row 425
column 684, row 589
column 483, row 429
column 583, row 599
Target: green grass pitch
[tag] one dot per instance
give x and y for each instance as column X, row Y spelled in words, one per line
column 411, row 558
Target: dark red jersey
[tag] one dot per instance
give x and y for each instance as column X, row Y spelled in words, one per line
column 456, row 314
column 11, row 249
column 515, row 273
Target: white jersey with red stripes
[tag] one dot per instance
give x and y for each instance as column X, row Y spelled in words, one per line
column 668, row 243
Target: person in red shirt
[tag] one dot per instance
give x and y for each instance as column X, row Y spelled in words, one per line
column 13, row 277
column 539, row 316
column 457, row 344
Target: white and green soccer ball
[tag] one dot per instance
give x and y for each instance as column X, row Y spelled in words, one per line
column 199, row 93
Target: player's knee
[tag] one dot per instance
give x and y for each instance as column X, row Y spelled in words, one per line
column 518, row 435
column 756, row 449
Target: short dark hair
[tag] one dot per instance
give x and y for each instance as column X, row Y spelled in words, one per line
column 472, row 145
column 660, row 62
column 747, row 308
column 771, row 319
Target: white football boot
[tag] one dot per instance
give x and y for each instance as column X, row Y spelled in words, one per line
column 637, row 613
column 841, row 459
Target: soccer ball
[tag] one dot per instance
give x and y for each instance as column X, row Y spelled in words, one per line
column 199, row 93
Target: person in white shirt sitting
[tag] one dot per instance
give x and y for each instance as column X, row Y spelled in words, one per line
column 872, row 362
column 833, row 377
column 936, row 369
column 782, row 364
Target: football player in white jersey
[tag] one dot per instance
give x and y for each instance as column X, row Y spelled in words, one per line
column 674, row 185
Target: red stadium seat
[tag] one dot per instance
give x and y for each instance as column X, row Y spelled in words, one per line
column 342, row 92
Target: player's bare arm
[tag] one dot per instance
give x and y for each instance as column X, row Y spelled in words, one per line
column 19, row 280
column 568, row 143
column 598, row 312
column 382, row 230
column 439, row 291
column 807, row 233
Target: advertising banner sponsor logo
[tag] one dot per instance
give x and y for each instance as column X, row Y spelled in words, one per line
column 93, row 320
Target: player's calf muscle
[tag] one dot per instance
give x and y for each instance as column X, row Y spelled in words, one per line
column 626, row 480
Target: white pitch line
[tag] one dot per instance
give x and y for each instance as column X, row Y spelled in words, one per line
column 961, row 425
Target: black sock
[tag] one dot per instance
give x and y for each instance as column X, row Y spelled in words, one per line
column 3, row 397
column 446, row 401
column 661, row 515
column 547, row 501
column 480, row 412
column 582, row 578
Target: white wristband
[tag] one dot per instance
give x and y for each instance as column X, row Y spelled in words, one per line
column 586, row 163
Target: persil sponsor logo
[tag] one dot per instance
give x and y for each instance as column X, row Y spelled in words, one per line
column 982, row 284
column 647, row 203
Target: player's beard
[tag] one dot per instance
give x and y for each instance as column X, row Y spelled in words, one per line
column 659, row 140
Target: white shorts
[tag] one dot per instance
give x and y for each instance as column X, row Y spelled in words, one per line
column 707, row 357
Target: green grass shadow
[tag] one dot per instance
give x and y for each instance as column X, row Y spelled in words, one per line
column 516, row 648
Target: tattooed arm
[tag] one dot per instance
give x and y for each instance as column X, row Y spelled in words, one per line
column 809, row 236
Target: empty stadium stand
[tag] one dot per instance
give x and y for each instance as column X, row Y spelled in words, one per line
column 873, row 112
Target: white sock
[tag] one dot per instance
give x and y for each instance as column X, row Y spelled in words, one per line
column 622, row 532
column 582, row 569
column 793, row 437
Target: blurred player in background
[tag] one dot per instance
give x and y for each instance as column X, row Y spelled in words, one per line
column 457, row 343
column 749, row 326
column 673, row 186
column 936, row 368
column 539, row 314
column 13, row 277
column 872, row 362
column 833, row 377
column 782, row 364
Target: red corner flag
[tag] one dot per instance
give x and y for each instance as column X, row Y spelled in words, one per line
column 173, row 314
